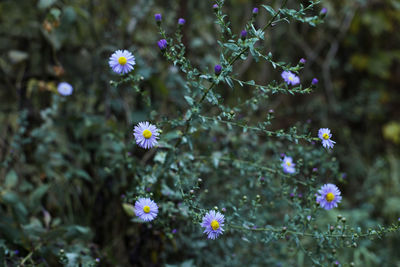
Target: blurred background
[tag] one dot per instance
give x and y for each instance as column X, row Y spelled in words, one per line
column 65, row 171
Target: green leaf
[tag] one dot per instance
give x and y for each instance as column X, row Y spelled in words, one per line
column 11, row 179
column 43, row 4
column 269, row 9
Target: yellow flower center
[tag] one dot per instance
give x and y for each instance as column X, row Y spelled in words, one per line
column 288, row 163
column 325, row 136
column 214, row 224
column 147, row 134
column 291, row 78
column 146, row 209
column 122, row 60
column 330, row 197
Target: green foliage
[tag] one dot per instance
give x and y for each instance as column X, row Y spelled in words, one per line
column 71, row 171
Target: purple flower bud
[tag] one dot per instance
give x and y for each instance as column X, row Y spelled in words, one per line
column 223, row 209
column 217, row 69
column 215, row 7
column 282, row 155
column 174, row 231
column 271, row 111
column 323, row 11
column 97, row 259
column 262, row 179
column 303, row 61
column 291, row 195
column 300, row 195
column 314, row 81
column 315, row 169
column 255, row 11
column 243, row 34
column 181, row 21
column 158, row 17
column 162, row 44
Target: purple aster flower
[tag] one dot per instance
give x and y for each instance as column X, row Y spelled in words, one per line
column 146, row 135
column 217, row 69
column 325, row 135
column 158, row 17
column 314, row 81
column 122, row 61
column 162, row 44
column 65, row 89
column 213, row 223
column 255, row 11
column 290, row 78
column 181, row 21
column 243, row 34
column 146, row 209
column 303, row 60
column 288, row 165
column 329, row 196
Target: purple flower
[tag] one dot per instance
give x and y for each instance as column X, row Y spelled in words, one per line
column 288, row 165
column 323, row 11
column 314, row 81
column 255, row 11
column 213, row 223
column 325, row 135
column 217, row 69
column 243, row 34
column 174, row 231
column 65, row 89
column 329, row 196
column 315, row 169
column 122, row 61
column 303, row 60
column 181, row 21
column 290, row 78
column 215, row 7
column 146, row 209
column 162, row 44
column 146, row 135
column 158, row 17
